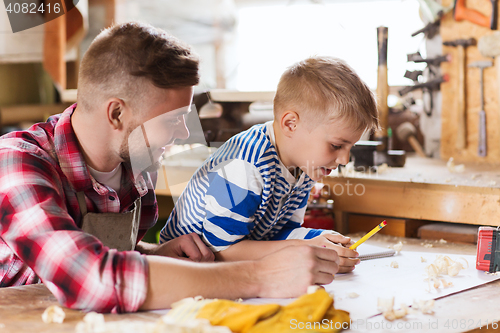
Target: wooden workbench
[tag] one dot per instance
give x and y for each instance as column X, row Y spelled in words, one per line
column 424, row 189
column 21, row 308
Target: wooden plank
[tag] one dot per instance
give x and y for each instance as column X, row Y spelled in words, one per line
column 452, row 30
column 21, row 310
column 434, row 202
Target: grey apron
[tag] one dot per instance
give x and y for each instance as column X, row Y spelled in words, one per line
column 114, row 230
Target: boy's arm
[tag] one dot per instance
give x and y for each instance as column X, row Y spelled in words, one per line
column 253, row 250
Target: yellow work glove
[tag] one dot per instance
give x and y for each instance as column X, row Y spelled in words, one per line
column 313, row 312
column 309, row 313
column 238, row 317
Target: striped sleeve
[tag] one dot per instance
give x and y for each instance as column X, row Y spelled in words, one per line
column 232, row 198
column 293, row 230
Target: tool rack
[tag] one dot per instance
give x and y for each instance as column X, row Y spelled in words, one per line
column 452, row 30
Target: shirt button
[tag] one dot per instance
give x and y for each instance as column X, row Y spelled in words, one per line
column 111, row 198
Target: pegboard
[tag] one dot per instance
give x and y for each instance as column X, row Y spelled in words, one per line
column 452, row 30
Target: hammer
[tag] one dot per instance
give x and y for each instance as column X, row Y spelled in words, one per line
column 406, row 132
column 461, row 44
column 481, row 151
column 489, row 46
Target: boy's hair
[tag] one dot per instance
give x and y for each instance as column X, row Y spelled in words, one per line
column 326, row 88
column 123, row 59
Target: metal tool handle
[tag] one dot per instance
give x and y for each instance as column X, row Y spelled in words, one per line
column 481, row 151
column 494, row 14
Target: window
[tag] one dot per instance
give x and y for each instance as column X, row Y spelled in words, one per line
column 271, row 37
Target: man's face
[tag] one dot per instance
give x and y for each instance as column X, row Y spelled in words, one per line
column 155, row 127
column 319, row 150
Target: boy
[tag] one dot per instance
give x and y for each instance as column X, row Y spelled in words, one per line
column 256, row 186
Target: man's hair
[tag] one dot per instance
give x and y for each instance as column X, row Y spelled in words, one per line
column 124, row 58
column 326, row 88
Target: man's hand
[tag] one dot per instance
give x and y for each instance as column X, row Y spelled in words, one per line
column 188, row 247
column 288, row 272
column 340, row 244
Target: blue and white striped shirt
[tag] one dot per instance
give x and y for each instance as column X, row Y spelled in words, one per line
column 242, row 191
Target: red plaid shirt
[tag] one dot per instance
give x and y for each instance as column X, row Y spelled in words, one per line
column 41, row 170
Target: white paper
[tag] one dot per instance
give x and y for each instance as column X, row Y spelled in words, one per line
column 376, row 278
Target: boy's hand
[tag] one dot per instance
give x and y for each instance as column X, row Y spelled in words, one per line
column 340, row 244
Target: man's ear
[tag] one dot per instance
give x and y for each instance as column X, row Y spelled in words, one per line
column 289, row 122
column 115, row 108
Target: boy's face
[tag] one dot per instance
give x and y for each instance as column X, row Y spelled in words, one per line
column 319, row 150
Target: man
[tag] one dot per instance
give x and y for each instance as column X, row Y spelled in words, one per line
column 74, row 209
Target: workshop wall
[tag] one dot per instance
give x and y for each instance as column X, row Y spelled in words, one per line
column 452, row 30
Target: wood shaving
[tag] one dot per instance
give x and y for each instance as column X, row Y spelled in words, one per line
column 394, row 264
column 352, row 295
column 443, row 241
column 424, row 306
column 492, row 183
column 312, row 289
column 427, row 245
column 445, row 283
column 53, row 314
column 382, row 168
column 454, row 168
column 386, row 305
column 397, row 247
column 387, row 308
column 422, row 259
column 443, row 265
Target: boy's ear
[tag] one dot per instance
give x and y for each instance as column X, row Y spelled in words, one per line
column 115, row 108
column 289, row 122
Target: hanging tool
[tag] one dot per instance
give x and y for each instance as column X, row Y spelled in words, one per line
column 427, row 87
column 382, row 88
column 433, row 82
column 461, row 45
column 430, row 30
column 413, row 75
column 481, row 150
column 461, row 12
column 436, row 61
column 489, row 46
column 432, row 12
column 494, row 15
